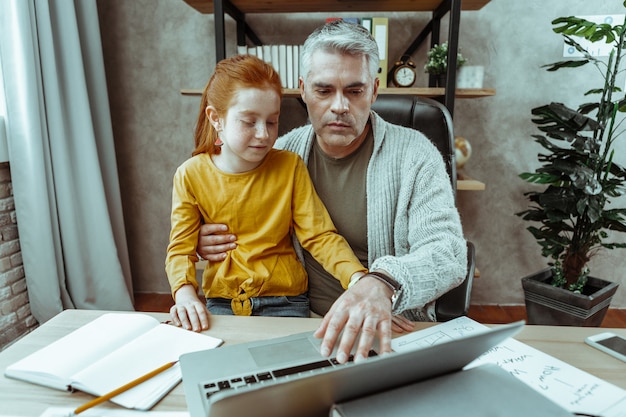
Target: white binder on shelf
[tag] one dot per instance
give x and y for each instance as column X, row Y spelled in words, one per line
column 380, row 32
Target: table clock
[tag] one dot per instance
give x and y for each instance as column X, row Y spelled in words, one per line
column 403, row 72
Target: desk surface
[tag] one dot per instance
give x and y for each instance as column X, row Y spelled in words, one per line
column 24, row 399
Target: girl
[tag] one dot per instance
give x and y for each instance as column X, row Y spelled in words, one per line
column 265, row 195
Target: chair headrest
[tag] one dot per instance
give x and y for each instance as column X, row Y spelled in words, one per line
column 426, row 115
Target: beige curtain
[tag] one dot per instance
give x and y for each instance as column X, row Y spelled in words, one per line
column 62, row 157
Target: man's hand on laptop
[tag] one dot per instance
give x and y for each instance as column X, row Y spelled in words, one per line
column 363, row 312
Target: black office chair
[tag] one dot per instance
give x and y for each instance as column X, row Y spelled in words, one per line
column 433, row 119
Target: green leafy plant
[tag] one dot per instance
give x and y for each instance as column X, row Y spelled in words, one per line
column 437, row 61
column 576, row 209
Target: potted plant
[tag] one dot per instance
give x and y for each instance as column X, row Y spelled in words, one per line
column 437, row 62
column 575, row 207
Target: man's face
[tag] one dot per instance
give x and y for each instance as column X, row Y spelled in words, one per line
column 339, row 93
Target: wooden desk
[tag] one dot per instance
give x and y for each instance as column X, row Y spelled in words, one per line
column 19, row 398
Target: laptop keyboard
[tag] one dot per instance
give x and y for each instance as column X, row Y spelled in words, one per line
column 211, row 388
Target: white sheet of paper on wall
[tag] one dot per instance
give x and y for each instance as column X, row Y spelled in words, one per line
column 470, row 76
column 597, row 48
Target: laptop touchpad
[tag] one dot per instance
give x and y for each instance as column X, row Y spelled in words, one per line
column 292, row 350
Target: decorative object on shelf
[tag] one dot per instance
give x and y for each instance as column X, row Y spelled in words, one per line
column 470, row 76
column 575, row 209
column 437, row 62
column 403, row 72
column 463, row 151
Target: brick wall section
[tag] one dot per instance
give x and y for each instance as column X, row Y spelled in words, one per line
column 15, row 316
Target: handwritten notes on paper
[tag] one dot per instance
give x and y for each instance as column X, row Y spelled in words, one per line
column 451, row 330
column 566, row 385
column 572, row 388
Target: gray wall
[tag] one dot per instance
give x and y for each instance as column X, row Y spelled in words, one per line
column 155, row 48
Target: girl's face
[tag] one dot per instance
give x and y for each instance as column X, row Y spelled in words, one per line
column 248, row 130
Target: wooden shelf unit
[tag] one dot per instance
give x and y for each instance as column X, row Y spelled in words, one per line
column 237, row 9
column 311, row 6
column 421, row 92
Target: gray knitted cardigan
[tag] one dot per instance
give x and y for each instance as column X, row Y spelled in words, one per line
column 414, row 227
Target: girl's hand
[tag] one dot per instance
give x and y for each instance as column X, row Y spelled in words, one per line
column 189, row 312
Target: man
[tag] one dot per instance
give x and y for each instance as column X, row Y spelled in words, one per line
column 386, row 189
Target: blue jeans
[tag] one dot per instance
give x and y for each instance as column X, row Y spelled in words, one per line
column 279, row 306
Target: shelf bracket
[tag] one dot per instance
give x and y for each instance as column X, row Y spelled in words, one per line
column 433, row 28
column 220, row 9
column 454, row 9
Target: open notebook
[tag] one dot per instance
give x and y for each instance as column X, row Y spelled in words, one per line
column 109, row 352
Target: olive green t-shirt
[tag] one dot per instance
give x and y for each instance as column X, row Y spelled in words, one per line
column 340, row 184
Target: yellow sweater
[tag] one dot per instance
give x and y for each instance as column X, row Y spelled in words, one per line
column 263, row 207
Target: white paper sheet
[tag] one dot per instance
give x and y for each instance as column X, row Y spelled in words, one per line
column 573, row 389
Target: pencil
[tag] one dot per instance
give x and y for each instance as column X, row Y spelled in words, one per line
column 123, row 388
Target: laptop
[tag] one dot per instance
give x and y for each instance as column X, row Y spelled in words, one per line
column 287, row 376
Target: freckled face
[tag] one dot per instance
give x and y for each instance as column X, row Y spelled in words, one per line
column 339, row 93
column 249, row 129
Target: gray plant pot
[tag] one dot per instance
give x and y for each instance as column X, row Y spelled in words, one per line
column 553, row 306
